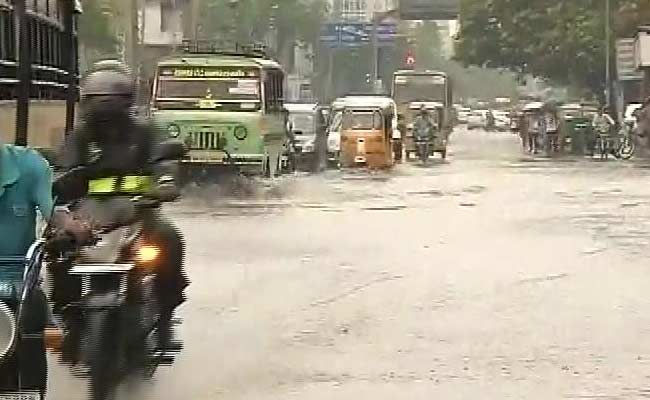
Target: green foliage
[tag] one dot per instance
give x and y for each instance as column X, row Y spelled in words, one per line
column 251, row 20
column 95, row 31
column 471, row 82
column 557, row 39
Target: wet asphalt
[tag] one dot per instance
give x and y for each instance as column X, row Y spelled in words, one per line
column 493, row 275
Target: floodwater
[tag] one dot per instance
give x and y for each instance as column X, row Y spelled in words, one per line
column 490, row 276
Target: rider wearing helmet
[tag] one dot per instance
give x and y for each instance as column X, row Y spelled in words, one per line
column 422, row 126
column 111, row 65
column 111, row 142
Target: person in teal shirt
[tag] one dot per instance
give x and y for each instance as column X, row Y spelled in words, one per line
column 25, row 186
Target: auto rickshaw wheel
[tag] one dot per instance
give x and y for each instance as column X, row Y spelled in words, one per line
column 443, row 154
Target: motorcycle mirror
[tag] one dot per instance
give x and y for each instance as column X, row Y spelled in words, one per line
column 7, row 331
column 170, row 150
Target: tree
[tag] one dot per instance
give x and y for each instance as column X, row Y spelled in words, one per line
column 95, row 32
column 246, row 21
column 561, row 40
column 473, row 82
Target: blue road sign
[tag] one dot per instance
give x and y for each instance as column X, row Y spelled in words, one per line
column 330, row 35
column 356, row 34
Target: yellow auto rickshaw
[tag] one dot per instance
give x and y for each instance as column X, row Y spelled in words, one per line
column 367, row 131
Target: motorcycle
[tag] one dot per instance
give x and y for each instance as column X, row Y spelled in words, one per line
column 422, row 147
column 114, row 327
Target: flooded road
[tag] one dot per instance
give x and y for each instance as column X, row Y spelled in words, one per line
column 490, row 276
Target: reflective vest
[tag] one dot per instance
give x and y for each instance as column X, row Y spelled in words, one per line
column 130, row 184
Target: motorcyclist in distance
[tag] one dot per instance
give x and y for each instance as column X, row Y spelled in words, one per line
column 111, row 142
column 422, row 126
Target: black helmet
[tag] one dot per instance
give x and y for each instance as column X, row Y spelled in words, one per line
column 107, row 95
column 111, row 65
column 107, row 82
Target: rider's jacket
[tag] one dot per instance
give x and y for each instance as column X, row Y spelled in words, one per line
column 25, row 186
column 117, row 159
column 422, row 127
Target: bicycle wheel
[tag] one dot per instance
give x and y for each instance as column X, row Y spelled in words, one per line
column 626, row 148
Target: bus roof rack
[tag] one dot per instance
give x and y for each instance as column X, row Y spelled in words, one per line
column 220, row 48
column 364, row 94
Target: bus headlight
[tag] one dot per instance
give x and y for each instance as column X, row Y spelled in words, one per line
column 173, row 130
column 240, row 132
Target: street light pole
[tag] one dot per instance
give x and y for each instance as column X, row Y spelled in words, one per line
column 375, row 51
column 234, row 31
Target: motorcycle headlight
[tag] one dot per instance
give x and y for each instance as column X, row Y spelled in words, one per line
column 147, row 254
column 173, row 130
column 240, row 132
column 7, row 330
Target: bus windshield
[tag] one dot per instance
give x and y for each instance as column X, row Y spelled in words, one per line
column 410, row 88
column 186, row 88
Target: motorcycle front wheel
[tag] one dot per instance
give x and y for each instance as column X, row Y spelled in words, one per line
column 102, row 353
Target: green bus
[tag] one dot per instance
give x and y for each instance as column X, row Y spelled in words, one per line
column 226, row 106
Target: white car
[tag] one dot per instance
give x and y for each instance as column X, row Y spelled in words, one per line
column 501, row 120
column 477, row 119
column 463, row 114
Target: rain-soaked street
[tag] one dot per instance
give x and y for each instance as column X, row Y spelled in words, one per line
column 491, row 276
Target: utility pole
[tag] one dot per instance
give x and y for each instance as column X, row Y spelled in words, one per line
column 195, row 19
column 375, row 51
column 608, row 83
column 134, row 44
column 377, row 19
column 234, row 28
column 331, row 54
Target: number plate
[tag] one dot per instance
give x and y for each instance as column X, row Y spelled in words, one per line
column 204, row 155
column 20, row 396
